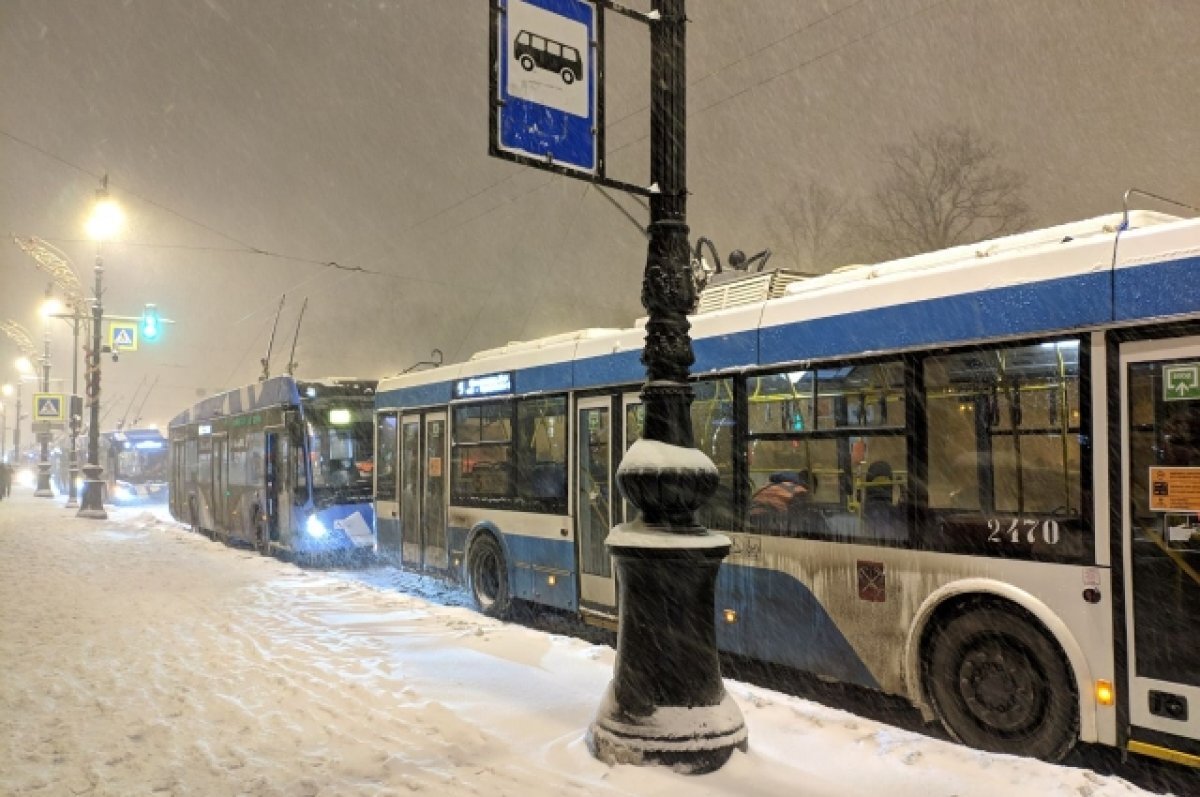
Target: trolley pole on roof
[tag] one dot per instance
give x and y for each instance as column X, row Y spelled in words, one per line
column 666, row 703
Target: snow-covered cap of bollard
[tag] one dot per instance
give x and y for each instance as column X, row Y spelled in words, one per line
column 654, row 455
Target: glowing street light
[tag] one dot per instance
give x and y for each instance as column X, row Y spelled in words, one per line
column 107, row 218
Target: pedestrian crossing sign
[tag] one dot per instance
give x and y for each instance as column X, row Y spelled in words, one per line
column 123, row 336
column 49, row 407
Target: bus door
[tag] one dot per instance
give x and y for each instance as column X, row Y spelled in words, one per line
column 277, row 503
column 433, row 493
column 387, row 500
column 410, row 490
column 594, row 492
column 423, row 491
column 1160, row 444
column 220, row 480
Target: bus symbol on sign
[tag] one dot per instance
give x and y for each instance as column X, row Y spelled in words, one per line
column 1181, row 382
column 532, row 50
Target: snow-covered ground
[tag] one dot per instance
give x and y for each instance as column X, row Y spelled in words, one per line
column 138, row 658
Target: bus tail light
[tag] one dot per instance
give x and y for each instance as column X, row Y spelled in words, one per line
column 731, row 616
column 1104, row 692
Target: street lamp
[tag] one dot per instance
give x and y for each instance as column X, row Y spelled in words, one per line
column 103, row 225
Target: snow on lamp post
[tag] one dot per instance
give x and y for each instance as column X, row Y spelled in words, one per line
column 103, row 225
column 7, row 391
column 667, row 703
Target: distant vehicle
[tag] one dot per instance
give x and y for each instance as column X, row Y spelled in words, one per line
column 973, row 430
column 532, row 50
column 135, row 466
column 282, row 465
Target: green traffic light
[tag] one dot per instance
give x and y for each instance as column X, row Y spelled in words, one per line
column 150, row 323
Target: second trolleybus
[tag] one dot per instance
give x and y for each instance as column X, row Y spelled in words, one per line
column 282, row 465
column 991, row 454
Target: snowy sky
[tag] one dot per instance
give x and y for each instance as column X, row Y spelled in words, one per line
column 253, row 140
column 141, row 659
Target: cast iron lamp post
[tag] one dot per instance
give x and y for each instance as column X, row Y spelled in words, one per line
column 103, row 225
column 667, row 703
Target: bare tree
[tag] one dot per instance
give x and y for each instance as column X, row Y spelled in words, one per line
column 944, row 188
column 811, row 224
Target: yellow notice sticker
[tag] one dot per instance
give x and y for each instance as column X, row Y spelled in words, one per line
column 1175, row 489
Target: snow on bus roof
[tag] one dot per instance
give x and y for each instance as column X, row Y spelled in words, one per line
column 517, row 346
column 1024, row 243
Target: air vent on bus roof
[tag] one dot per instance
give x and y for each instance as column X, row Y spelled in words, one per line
column 733, row 289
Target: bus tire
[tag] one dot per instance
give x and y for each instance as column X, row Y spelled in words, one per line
column 527, row 63
column 998, row 682
column 487, row 577
column 568, row 76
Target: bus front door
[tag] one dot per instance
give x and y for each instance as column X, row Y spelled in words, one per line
column 1160, row 440
column 594, row 492
column 423, row 491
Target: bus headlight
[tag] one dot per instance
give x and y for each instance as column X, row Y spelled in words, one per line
column 315, row 527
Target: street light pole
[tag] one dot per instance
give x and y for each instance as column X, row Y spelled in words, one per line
column 667, row 703
column 73, row 418
column 102, row 226
column 43, row 481
column 91, row 505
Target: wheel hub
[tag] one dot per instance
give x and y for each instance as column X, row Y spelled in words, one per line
column 998, row 684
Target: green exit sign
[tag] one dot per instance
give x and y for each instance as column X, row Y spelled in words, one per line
column 1181, row 382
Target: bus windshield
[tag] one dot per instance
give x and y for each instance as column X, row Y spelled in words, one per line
column 340, row 441
column 142, row 466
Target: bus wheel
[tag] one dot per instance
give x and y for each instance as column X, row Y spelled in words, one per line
column 568, row 76
column 487, row 577
column 999, row 683
column 527, row 63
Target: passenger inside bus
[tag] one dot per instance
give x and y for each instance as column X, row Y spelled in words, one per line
column 784, row 507
column 882, row 519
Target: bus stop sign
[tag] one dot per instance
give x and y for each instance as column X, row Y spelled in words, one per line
column 545, row 84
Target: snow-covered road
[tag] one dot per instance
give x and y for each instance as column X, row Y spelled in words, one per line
column 138, row 658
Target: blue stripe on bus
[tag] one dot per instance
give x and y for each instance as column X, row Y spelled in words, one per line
column 1058, row 304
column 555, row 377
column 1160, row 290
column 767, row 601
column 623, row 367
column 416, row 396
column 781, row 621
column 726, row 351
